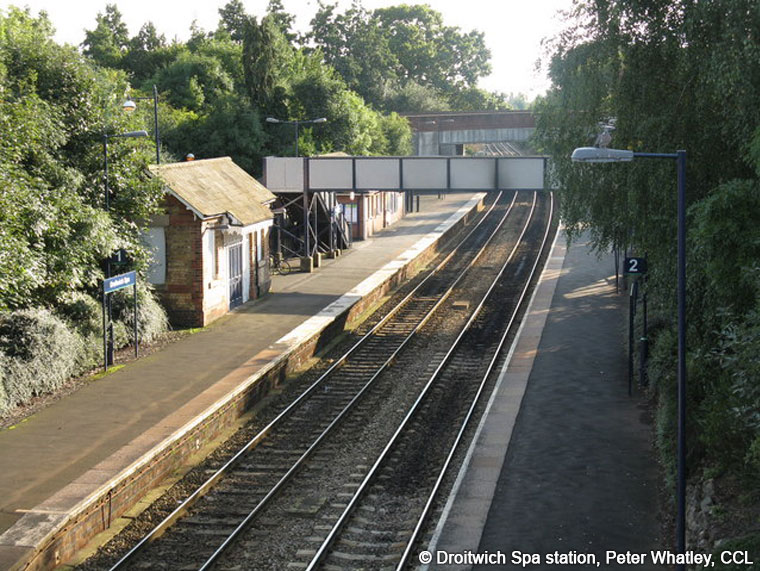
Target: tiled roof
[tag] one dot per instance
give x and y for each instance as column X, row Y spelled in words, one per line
column 212, row 187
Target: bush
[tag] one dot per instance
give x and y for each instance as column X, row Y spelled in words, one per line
column 151, row 317
column 39, row 353
column 84, row 314
column 40, row 350
column 4, row 403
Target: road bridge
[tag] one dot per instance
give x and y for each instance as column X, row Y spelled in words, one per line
column 445, row 134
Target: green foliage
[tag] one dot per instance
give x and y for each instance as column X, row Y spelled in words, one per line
column 151, row 317
column 39, row 353
column 397, row 135
column 233, row 19
column 727, row 241
column 231, row 128
column 54, row 108
column 413, row 98
column 475, row 99
column 107, row 43
column 40, row 349
column 194, row 81
column 672, row 75
column 429, row 52
column 148, row 52
column 392, row 55
column 83, row 314
column 358, row 49
column 736, row 388
column 265, row 54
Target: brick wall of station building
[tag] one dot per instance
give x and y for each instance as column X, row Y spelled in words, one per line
column 182, row 293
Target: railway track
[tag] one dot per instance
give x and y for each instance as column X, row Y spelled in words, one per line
column 253, row 500
column 386, row 516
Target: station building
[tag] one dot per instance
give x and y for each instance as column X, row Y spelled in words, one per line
column 211, row 247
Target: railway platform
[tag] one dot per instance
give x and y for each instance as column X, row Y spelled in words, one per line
column 70, row 469
column 562, row 466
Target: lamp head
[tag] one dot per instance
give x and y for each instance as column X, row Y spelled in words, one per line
column 320, row 120
column 133, row 134
column 272, row 120
column 601, row 155
column 129, row 105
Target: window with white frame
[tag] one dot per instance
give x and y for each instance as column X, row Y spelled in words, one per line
column 351, row 212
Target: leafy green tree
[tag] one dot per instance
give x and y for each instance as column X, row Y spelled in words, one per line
column 671, row 75
column 282, row 19
column 234, row 19
column 397, row 134
column 53, row 109
column 193, row 81
column 266, row 54
column 358, row 49
column 231, row 128
column 429, row 52
column 147, row 53
column 476, row 99
column 109, row 40
column 414, row 98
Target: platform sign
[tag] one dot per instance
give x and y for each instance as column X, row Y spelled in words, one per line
column 635, row 266
column 119, row 257
column 111, row 285
column 119, row 282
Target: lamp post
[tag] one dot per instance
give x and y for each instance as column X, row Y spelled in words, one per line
column 130, row 105
column 604, row 155
column 296, row 122
column 108, row 349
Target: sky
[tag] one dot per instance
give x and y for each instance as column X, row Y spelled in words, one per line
column 513, row 29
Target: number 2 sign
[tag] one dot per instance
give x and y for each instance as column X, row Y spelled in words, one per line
column 635, row 266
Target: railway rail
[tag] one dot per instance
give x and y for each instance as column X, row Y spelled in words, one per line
column 255, row 492
column 404, row 482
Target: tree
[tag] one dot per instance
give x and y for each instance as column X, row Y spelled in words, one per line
column 147, row 53
column 265, row 56
column 230, row 128
column 282, row 19
column 193, row 81
column 109, row 40
column 429, row 52
column 357, row 49
column 403, row 55
column 53, row 112
column 234, row 19
column 671, row 75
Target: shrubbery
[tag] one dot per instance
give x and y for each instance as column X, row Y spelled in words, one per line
column 40, row 350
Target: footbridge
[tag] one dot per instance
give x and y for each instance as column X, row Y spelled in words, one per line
column 445, row 134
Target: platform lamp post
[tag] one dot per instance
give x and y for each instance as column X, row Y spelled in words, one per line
column 296, row 122
column 605, row 155
column 129, row 105
column 108, row 349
